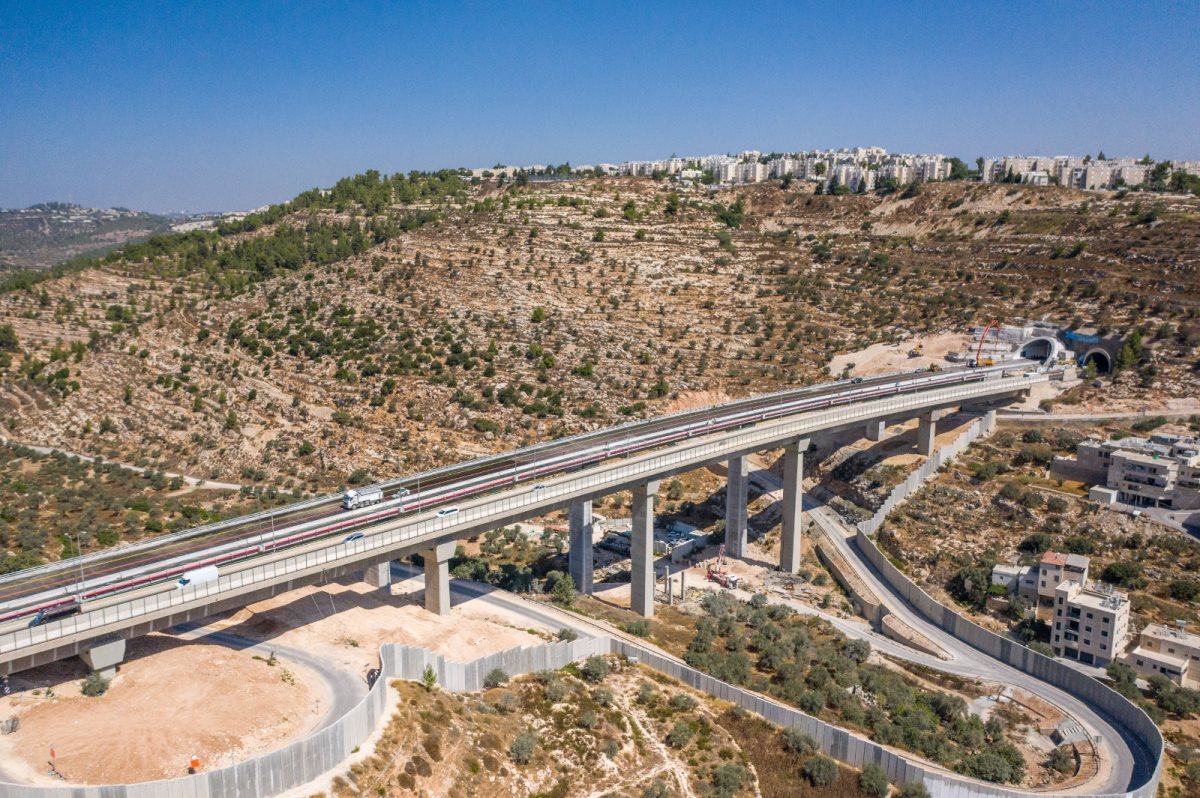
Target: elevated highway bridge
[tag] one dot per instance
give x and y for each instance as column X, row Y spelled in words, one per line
column 90, row 605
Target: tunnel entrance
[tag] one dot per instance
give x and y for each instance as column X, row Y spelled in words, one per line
column 1101, row 358
column 1041, row 349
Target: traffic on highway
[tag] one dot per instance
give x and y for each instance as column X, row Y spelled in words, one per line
column 50, row 592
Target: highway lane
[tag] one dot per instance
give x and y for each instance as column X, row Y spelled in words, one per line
column 108, row 567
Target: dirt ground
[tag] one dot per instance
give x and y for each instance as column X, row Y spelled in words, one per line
column 172, row 699
column 886, row 358
column 346, row 623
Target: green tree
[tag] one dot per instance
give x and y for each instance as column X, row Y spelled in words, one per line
column 821, row 770
column 873, row 781
column 429, row 678
column 539, row 315
column 522, row 747
column 8, row 338
column 561, row 588
column 958, row 169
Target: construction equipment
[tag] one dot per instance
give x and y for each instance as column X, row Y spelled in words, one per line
column 917, row 350
column 979, row 360
column 719, row 575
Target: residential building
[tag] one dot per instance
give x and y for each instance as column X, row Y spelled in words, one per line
column 1166, row 650
column 1052, row 570
column 1160, row 471
column 1091, row 623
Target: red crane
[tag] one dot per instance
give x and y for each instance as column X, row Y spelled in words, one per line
column 982, row 338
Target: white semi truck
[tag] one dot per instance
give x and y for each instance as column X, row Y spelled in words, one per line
column 363, row 497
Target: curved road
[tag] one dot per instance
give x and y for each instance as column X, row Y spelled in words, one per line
column 1125, row 761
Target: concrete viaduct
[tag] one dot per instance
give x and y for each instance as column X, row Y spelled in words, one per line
column 99, row 632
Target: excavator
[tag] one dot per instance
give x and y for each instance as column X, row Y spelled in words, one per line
column 917, row 350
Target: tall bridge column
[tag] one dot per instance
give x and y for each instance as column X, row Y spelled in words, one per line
column 104, row 656
column 641, row 588
column 927, row 430
column 926, row 434
column 793, row 505
column 876, row 430
column 737, row 496
column 437, row 577
column 579, row 555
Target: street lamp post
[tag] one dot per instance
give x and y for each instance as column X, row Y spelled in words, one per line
column 79, row 554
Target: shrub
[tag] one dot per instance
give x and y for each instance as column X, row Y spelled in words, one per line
column 1057, row 504
column 656, row 789
column 727, row 780
column 595, row 669
column 797, row 742
column 912, row 789
column 1184, row 589
column 821, row 770
column 602, row 696
column 496, row 677
column 567, row 635
column 94, row 685
column 640, row 627
column 873, row 781
column 683, row 702
column 522, row 748
column 679, row 735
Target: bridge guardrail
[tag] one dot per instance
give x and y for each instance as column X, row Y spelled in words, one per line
column 498, row 509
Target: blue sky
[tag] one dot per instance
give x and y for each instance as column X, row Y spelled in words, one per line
column 221, row 105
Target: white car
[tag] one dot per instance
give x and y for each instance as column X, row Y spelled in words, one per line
column 446, row 512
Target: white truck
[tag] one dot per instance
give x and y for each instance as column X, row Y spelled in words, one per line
column 363, row 497
column 197, row 576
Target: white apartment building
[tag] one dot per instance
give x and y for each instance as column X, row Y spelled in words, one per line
column 752, row 172
column 1160, row 471
column 1051, row 571
column 1091, row 623
column 1166, row 650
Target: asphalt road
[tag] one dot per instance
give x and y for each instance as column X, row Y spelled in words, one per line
column 1125, row 760
column 106, row 568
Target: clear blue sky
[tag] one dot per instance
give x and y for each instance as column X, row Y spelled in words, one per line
column 212, row 105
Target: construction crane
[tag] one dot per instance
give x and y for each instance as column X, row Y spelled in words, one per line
column 979, row 359
column 719, row 574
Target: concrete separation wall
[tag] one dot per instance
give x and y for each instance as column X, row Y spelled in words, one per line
column 975, row 430
column 308, row 759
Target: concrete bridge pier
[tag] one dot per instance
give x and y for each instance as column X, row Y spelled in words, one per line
column 876, row 430
column 104, row 656
column 927, row 430
column 641, row 587
column 737, row 496
column 793, row 505
column 579, row 555
column 379, row 575
column 437, row 577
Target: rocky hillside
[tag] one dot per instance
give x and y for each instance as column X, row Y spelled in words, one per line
column 402, row 322
column 43, row 235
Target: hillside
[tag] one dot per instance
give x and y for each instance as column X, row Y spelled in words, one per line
column 396, row 323
column 43, row 235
